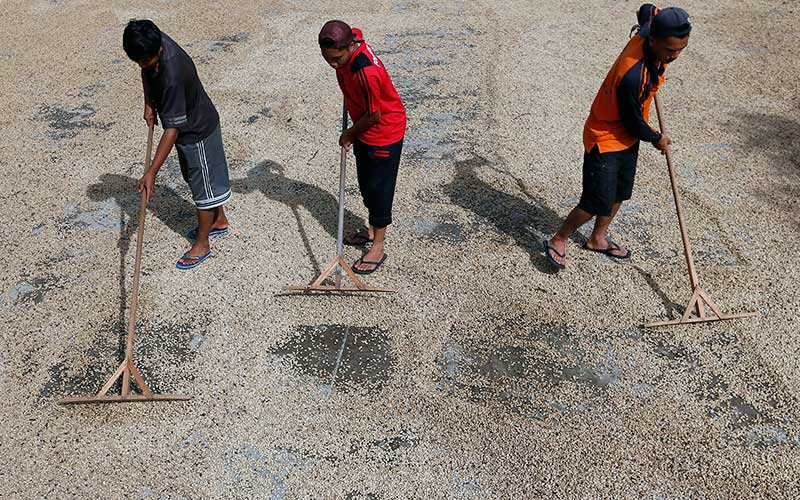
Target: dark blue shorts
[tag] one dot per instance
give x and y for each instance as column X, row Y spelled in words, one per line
column 607, row 179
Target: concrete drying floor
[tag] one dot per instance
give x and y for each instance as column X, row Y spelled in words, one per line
column 486, row 376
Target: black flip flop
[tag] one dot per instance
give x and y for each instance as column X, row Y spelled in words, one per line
column 610, row 248
column 370, row 262
column 550, row 258
column 358, row 239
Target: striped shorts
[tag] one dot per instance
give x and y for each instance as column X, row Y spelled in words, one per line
column 205, row 169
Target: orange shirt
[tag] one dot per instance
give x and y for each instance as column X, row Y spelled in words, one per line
column 635, row 75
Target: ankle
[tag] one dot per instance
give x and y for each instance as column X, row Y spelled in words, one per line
column 597, row 240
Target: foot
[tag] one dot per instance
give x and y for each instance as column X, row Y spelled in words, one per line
column 197, row 252
column 375, row 254
column 360, row 238
column 557, row 251
column 215, row 231
column 609, row 248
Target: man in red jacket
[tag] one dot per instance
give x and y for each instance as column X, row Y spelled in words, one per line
column 379, row 125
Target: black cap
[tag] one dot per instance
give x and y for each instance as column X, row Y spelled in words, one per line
column 672, row 21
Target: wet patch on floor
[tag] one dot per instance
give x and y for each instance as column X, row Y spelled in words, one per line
column 118, row 203
column 396, row 443
column 265, row 112
column 634, row 227
column 340, row 357
column 68, row 123
column 763, row 417
column 467, row 487
column 92, row 89
column 162, row 352
column 103, row 217
column 247, row 468
column 386, row 449
column 31, row 290
column 447, row 230
column 148, row 493
column 417, row 61
column 227, row 43
column 723, row 151
column 528, row 365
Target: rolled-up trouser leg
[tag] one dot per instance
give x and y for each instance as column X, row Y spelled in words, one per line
column 377, row 168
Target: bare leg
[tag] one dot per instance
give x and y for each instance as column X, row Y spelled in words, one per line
column 220, row 221
column 201, row 245
column 598, row 241
column 375, row 253
column 576, row 218
column 361, row 237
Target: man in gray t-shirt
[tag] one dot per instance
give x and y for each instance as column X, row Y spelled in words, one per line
column 173, row 90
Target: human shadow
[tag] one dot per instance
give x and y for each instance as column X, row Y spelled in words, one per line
column 778, row 138
column 174, row 211
column 527, row 220
column 167, row 205
column 269, row 178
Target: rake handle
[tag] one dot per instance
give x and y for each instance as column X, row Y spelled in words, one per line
column 687, row 246
column 342, row 182
column 138, row 265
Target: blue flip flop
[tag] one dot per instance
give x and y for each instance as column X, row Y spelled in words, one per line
column 192, row 235
column 195, row 261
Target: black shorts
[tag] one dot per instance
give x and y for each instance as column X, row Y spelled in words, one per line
column 607, row 179
column 377, row 176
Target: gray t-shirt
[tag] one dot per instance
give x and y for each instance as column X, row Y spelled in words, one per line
column 178, row 96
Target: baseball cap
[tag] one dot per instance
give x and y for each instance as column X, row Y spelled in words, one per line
column 672, row 21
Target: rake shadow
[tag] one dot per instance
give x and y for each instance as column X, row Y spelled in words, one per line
column 167, row 205
column 268, row 177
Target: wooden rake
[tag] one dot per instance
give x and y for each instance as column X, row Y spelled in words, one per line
column 338, row 264
column 696, row 310
column 127, row 368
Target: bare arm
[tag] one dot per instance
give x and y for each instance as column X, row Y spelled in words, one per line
column 363, row 123
column 148, row 180
column 149, row 111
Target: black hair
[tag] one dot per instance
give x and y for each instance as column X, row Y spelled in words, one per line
column 141, row 39
column 327, row 43
column 335, row 35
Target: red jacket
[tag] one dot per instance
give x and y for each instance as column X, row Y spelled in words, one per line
column 367, row 88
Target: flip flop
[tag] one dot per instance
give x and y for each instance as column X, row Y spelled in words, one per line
column 370, row 262
column 550, row 259
column 192, row 235
column 194, row 261
column 358, row 239
column 609, row 249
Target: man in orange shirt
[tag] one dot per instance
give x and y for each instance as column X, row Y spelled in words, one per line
column 616, row 125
